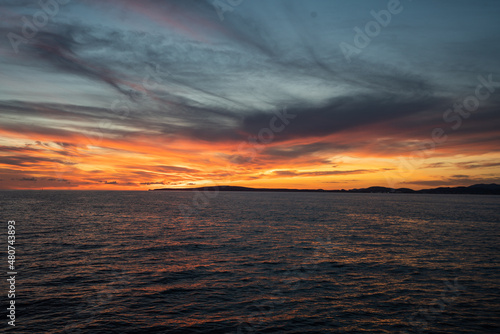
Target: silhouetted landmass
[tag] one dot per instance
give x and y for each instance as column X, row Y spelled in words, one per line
column 382, row 190
column 482, row 189
column 236, row 188
column 477, row 189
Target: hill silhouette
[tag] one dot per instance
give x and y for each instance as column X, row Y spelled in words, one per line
column 476, row 189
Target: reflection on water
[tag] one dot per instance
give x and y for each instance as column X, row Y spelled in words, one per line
column 130, row 262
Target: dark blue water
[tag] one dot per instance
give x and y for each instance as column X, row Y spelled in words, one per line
column 171, row 262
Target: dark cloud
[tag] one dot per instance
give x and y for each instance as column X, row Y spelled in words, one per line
column 437, row 165
column 60, row 49
column 30, row 179
column 58, row 180
column 31, row 160
column 341, row 114
column 305, row 149
column 173, row 169
column 41, row 179
column 17, row 149
column 323, row 173
column 478, row 164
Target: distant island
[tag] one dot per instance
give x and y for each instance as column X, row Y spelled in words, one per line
column 477, row 189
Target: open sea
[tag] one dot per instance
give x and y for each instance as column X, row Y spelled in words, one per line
column 252, row 262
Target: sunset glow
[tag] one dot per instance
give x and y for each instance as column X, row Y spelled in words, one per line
column 125, row 96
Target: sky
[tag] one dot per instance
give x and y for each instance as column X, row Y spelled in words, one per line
column 317, row 94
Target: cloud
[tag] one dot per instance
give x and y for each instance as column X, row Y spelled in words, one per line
column 323, row 173
column 31, row 160
column 17, row 149
column 477, row 164
column 168, row 81
column 436, row 165
column 303, row 149
column 215, row 109
column 57, row 45
column 173, row 169
column 58, row 180
column 341, row 114
column 31, row 179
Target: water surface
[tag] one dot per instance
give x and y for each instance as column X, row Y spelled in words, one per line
column 250, row 262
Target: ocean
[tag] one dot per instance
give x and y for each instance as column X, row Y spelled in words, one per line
column 252, row 262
